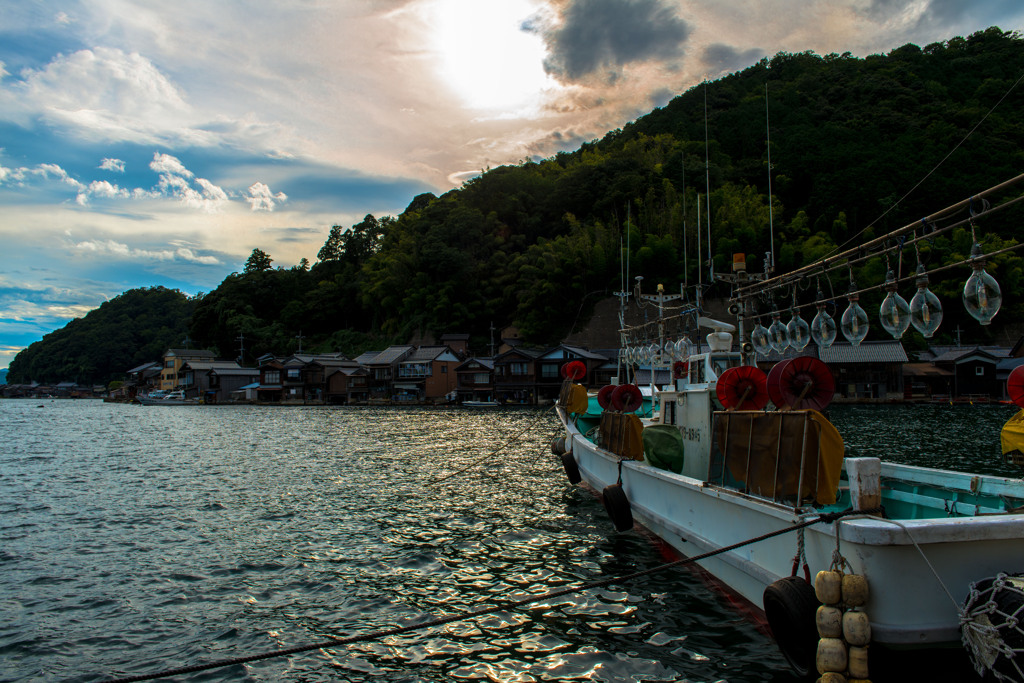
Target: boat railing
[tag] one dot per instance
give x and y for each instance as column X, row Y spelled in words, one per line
column 787, row 457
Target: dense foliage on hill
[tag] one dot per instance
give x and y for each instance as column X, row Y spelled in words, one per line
column 858, row 147
column 133, row 328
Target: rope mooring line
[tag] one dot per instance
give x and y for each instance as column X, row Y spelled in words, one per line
column 441, row 621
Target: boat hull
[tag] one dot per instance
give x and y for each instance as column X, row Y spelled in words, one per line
column 910, row 564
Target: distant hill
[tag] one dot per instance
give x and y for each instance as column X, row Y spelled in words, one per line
column 130, row 329
column 859, row 146
column 3, row 376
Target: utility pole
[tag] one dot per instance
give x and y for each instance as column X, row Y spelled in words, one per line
column 241, row 348
column 300, row 338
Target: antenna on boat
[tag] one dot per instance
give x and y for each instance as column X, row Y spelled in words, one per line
column 682, row 163
column 768, row 143
column 707, row 182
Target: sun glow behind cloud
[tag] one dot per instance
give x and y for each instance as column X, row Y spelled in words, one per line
column 486, row 57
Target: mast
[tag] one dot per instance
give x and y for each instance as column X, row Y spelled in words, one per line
column 768, row 144
column 707, row 182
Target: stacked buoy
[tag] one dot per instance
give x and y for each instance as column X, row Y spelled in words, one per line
column 844, row 630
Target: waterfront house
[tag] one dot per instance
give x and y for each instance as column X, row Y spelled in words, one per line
column 475, row 379
column 316, row 372
column 870, row 370
column 172, row 362
column 270, row 388
column 225, row 382
column 195, row 380
column 515, row 375
column 347, row 383
column 142, row 379
column 383, row 369
column 426, row 374
column 974, row 371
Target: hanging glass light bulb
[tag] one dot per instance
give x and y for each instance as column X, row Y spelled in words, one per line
column 778, row 337
column 823, row 327
column 894, row 312
column 761, row 339
column 925, row 307
column 982, row 296
column 854, row 323
column 798, row 330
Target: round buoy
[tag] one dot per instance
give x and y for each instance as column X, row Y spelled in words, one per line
column 604, row 396
column 558, row 446
column 829, row 620
column 744, row 387
column 774, row 390
column 1015, row 386
column 790, row 607
column 572, row 470
column 805, row 383
column 617, row 506
column 626, row 398
column 828, row 586
column 574, row 370
column 991, row 627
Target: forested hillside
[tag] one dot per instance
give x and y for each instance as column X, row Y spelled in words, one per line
column 858, row 146
column 129, row 330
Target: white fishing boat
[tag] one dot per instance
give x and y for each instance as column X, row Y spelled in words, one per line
column 727, row 462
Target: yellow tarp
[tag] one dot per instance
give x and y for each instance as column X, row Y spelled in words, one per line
column 622, row 434
column 573, row 398
column 763, row 450
column 1012, row 436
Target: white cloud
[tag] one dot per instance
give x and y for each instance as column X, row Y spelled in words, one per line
column 115, row 165
column 261, row 198
column 120, row 250
column 103, row 94
column 165, row 163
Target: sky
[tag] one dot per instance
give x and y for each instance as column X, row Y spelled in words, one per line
column 146, row 144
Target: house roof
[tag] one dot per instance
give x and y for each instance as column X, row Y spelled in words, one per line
column 865, row 352
column 145, row 366
column 427, row 353
column 565, row 350
column 201, row 365
column 367, row 357
column 484, row 362
column 936, row 352
column 390, row 355
column 528, row 351
column 965, row 352
column 236, row 372
column 189, row 353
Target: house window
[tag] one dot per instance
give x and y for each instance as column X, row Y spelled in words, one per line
column 549, row 371
column 980, row 371
column 481, row 378
column 272, row 377
column 168, row 363
column 517, row 368
column 293, row 373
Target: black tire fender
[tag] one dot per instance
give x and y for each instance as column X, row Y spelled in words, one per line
column 790, row 607
column 572, row 470
column 617, row 506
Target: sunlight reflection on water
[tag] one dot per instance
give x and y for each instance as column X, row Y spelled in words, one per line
column 136, row 539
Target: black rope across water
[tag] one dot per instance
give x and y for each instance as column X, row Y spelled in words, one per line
column 441, row 621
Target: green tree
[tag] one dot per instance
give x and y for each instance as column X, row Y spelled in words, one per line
column 258, row 260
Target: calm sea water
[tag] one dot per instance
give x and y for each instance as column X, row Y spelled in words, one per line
column 137, row 539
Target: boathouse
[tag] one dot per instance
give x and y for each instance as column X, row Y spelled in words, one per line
column 868, row 371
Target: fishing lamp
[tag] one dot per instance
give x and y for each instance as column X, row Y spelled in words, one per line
column 854, row 322
column 761, row 340
column 823, row 327
column 982, row 297
column 925, row 307
column 797, row 329
column 778, row 336
column 894, row 312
